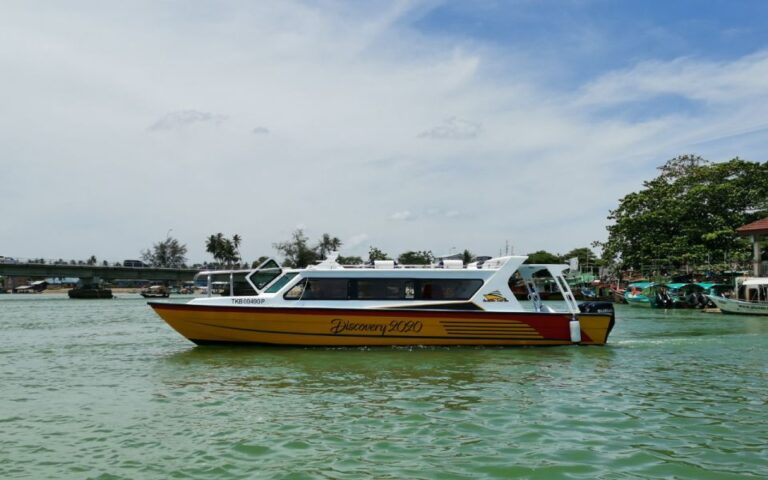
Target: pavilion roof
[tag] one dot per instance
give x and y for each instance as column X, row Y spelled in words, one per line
column 755, row 228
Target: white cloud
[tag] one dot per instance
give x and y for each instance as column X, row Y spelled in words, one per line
column 404, row 215
column 713, row 82
column 183, row 118
column 453, row 129
column 356, row 240
column 352, row 97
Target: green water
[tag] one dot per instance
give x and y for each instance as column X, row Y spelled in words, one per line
column 104, row 389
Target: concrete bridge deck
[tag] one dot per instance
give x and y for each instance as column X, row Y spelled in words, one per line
column 96, row 271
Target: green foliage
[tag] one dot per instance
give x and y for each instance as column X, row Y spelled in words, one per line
column 376, row 254
column 327, row 245
column 166, row 253
column 223, row 249
column 542, row 256
column 259, row 261
column 297, row 252
column 688, row 214
column 467, row 257
column 416, row 258
column 349, row 260
column 585, row 255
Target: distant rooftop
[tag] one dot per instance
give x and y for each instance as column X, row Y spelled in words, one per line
column 755, row 228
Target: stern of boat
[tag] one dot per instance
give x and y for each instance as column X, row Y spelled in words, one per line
column 596, row 320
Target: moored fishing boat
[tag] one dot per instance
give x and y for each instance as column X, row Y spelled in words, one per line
column 750, row 297
column 687, row 295
column 648, row 294
column 90, row 291
column 328, row 304
column 637, row 294
column 155, row 291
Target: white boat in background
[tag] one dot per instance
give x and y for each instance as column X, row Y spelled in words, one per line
column 751, row 297
column 386, row 304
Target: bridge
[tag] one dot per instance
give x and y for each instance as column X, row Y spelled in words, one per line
column 92, row 273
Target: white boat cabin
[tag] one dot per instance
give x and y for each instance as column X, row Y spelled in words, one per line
column 385, row 285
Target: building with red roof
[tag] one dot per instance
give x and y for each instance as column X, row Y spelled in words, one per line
column 758, row 231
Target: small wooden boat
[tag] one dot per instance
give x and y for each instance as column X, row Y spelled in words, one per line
column 638, row 294
column 90, row 292
column 155, row 291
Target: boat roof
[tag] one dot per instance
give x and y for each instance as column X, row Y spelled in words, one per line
column 679, row 285
column 756, row 281
column 390, row 266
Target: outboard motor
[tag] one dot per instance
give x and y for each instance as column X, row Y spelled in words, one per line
column 599, row 307
column 596, row 307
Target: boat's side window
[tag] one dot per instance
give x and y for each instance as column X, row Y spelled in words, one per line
column 326, row 289
column 380, row 289
column 296, row 291
column 281, row 282
column 261, row 277
column 319, row 289
column 409, row 290
column 448, row 289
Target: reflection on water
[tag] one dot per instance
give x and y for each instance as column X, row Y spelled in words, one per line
column 106, row 389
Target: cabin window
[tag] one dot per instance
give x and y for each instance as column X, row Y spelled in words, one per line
column 264, row 275
column 382, row 289
column 319, row 289
column 447, row 289
column 281, row 282
column 296, row 291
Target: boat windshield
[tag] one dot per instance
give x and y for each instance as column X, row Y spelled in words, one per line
column 281, row 282
column 267, row 272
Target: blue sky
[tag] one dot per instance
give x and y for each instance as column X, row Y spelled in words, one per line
column 579, row 40
column 420, row 124
column 621, row 32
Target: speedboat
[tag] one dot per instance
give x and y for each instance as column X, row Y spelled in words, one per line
column 386, row 304
column 751, row 297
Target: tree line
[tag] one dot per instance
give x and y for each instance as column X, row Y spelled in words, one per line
column 300, row 252
column 687, row 215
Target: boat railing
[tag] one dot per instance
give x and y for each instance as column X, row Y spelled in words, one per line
column 401, row 266
column 229, row 284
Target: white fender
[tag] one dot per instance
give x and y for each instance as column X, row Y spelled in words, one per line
column 575, row 330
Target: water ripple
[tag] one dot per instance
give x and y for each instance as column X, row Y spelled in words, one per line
column 105, row 390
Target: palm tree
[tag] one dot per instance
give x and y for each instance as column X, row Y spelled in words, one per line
column 224, row 250
column 327, row 245
column 213, row 245
column 236, row 239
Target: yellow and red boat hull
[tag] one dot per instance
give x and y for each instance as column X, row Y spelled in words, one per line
column 204, row 324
